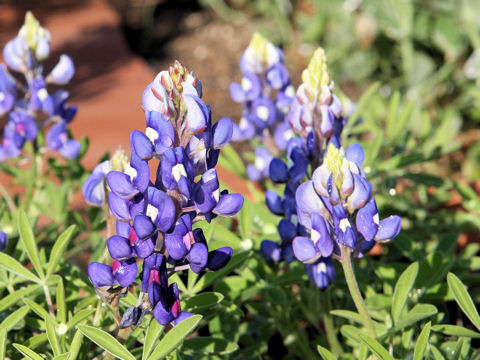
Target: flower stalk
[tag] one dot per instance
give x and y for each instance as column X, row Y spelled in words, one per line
column 352, row 284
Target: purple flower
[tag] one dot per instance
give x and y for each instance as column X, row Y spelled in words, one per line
column 3, row 240
column 63, row 72
column 57, row 140
column 321, row 273
column 167, row 308
column 94, row 187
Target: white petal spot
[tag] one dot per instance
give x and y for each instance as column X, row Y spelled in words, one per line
column 262, row 112
column 344, row 224
column 315, row 235
column 152, row 212
column 130, row 171
column 246, row 84
column 260, row 163
column 177, row 172
column 216, row 195
column 2, row 96
column 152, row 134
column 376, row 219
column 290, row 91
column 321, row 267
column 287, row 135
column 243, row 123
column 42, row 94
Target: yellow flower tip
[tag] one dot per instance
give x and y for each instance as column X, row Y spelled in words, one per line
column 316, row 74
column 119, row 160
column 31, row 30
column 334, row 158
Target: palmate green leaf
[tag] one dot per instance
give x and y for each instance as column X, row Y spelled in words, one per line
column 174, row 337
column 463, row 299
column 75, row 345
column 454, row 330
column 206, row 345
column 153, row 333
column 422, row 342
column 52, row 336
column 402, row 289
column 3, row 340
column 325, row 354
column 13, row 298
column 14, row 318
column 375, row 347
column 30, row 354
column 106, row 341
column 28, row 240
column 59, row 249
column 419, row 312
column 10, row 264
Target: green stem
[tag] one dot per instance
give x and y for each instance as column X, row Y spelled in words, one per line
column 48, row 298
column 355, row 291
column 332, row 339
column 31, row 181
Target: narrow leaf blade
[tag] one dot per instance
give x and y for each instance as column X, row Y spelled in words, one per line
column 153, row 333
column 402, row 288
column 376, row 347
column 106, row 341
column 463, row 299
column 28, row 240
column 422, row 342
column 10, row 264
column 59, row 249
column 174, row 337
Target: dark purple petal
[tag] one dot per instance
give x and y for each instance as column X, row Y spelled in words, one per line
column 123, row 228
column 274, row 202
column 389, row 228
column 229, row 204
column 100, row 274
column 141, row 144
column 271, row 251
column 300, row 165
column 278, row 171
column 218, row 258
column 161, row 209
column 121, row 185
column 288, row 254
column 287, row 230
column 154, row 293
column 141, row 172
column 119, row 247
column 126, row 272
column 144, row 248
column 163, row 316
column 119, row 207
column 321, row 273
column 3, row 240
column 143, row 226
column 304, row 249
column 198, row 256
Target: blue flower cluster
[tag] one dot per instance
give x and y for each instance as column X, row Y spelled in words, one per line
column 27, row 104
column 266, row 95
column 334, row 211
column 155, row 219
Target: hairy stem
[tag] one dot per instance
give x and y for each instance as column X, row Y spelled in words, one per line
column 355, row 291
column 48, row 298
